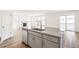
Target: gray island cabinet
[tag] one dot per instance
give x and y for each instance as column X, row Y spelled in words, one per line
column 43, row 39
column 34, row 39
column 50, row 42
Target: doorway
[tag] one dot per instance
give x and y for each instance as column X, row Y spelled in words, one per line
column 67, row 23
column 5, row 25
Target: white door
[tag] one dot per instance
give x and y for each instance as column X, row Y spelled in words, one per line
column 6, row 25
column 70, row 26
column 67, row 23
column 62, row 23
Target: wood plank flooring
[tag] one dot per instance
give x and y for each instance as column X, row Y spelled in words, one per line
column 71, row 39
column 14, row 42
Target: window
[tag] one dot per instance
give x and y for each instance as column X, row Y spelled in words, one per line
column 62, row 23
column 67, row 23
column 70, row 23
column 36, row 22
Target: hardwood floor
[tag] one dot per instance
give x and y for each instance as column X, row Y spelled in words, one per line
column 14, row 42
column 70, row 40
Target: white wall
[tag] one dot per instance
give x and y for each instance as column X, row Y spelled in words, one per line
column 53, row 19
column 0, row 23
column 18, row 18
column 15, row 22
column 6, row 21
column 77, row 21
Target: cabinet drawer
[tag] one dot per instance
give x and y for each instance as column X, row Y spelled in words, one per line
column 50, row 38
column 49, row 44
column 35, row 33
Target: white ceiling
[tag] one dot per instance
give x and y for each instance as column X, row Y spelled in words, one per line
column 33, row 12
column 38, row 11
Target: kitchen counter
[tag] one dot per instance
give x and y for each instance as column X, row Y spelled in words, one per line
column 48, row 31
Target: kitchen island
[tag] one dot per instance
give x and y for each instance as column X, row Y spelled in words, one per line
column 48, row 38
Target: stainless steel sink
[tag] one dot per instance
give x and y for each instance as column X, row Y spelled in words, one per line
column 38, row 29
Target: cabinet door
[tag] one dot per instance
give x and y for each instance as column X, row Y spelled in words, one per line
column 24, row 36
column 34, row 41
column 38, row 43
column 49, row 44
column 31, row 40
